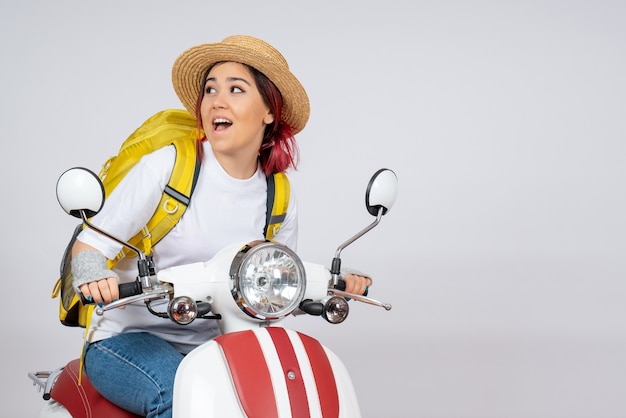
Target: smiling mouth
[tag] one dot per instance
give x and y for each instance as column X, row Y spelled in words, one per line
column 220, row 124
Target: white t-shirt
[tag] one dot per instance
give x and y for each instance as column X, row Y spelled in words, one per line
column 223, row 211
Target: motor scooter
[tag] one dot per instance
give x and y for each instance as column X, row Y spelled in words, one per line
column 256, row 367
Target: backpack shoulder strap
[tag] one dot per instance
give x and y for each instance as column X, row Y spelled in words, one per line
column 175, row 198
column 277, row 203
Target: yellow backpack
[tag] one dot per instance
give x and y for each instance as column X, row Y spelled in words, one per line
column 169, row 127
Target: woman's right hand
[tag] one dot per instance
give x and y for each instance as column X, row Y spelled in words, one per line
column 101, row 291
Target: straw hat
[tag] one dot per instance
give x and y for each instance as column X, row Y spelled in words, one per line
column 191, row 66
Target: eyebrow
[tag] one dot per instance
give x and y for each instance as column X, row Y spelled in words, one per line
column 229, row 79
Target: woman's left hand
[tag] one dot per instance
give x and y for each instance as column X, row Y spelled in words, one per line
column 356, row 284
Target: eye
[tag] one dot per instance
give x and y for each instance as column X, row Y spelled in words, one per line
column 209, row 90
column 235, row 89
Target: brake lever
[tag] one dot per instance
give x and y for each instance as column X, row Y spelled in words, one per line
column 160, row 292
column 360, row 298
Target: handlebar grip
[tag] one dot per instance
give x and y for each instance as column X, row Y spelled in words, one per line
column 130, row 289
column 341, row 285
column 125, row 289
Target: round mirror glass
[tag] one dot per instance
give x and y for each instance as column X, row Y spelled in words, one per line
column 381, row 191
column 80, row 189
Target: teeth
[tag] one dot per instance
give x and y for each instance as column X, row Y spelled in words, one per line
column 221, row 120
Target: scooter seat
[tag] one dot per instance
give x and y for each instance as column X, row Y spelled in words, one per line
column 83, row 401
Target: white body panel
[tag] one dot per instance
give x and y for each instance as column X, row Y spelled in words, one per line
column 203, row 385
column 53, row 409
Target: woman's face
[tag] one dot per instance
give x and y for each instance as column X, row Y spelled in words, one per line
column 233, row 113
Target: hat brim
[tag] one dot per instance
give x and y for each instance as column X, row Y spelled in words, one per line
column 191, row 66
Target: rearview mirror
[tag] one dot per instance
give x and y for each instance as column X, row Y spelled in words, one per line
column 381, row 191
column 80, row 189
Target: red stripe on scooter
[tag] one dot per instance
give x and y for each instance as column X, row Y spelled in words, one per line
column 289, row 362
column 245, row 360
column 324, row 376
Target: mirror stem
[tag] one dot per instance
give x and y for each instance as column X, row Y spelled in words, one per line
column 106, row 234
column 336, row 265
column 144, row 264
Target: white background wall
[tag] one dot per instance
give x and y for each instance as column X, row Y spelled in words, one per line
column 504, row 121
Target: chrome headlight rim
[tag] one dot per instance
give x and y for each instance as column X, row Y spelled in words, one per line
column 242, row 260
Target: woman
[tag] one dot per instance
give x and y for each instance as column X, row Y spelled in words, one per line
column 249, row 106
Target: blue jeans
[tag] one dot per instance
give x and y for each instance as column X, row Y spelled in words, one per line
column 134, row 371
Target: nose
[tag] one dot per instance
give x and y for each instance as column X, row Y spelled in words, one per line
column 218, row 100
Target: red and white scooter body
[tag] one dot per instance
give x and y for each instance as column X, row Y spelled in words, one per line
column 256, row 369
column 268, row 372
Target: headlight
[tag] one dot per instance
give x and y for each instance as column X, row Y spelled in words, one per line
column 268, row 280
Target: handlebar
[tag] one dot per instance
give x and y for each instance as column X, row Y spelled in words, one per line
column 341, row 285
column 132, row 292
column 125, row 289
